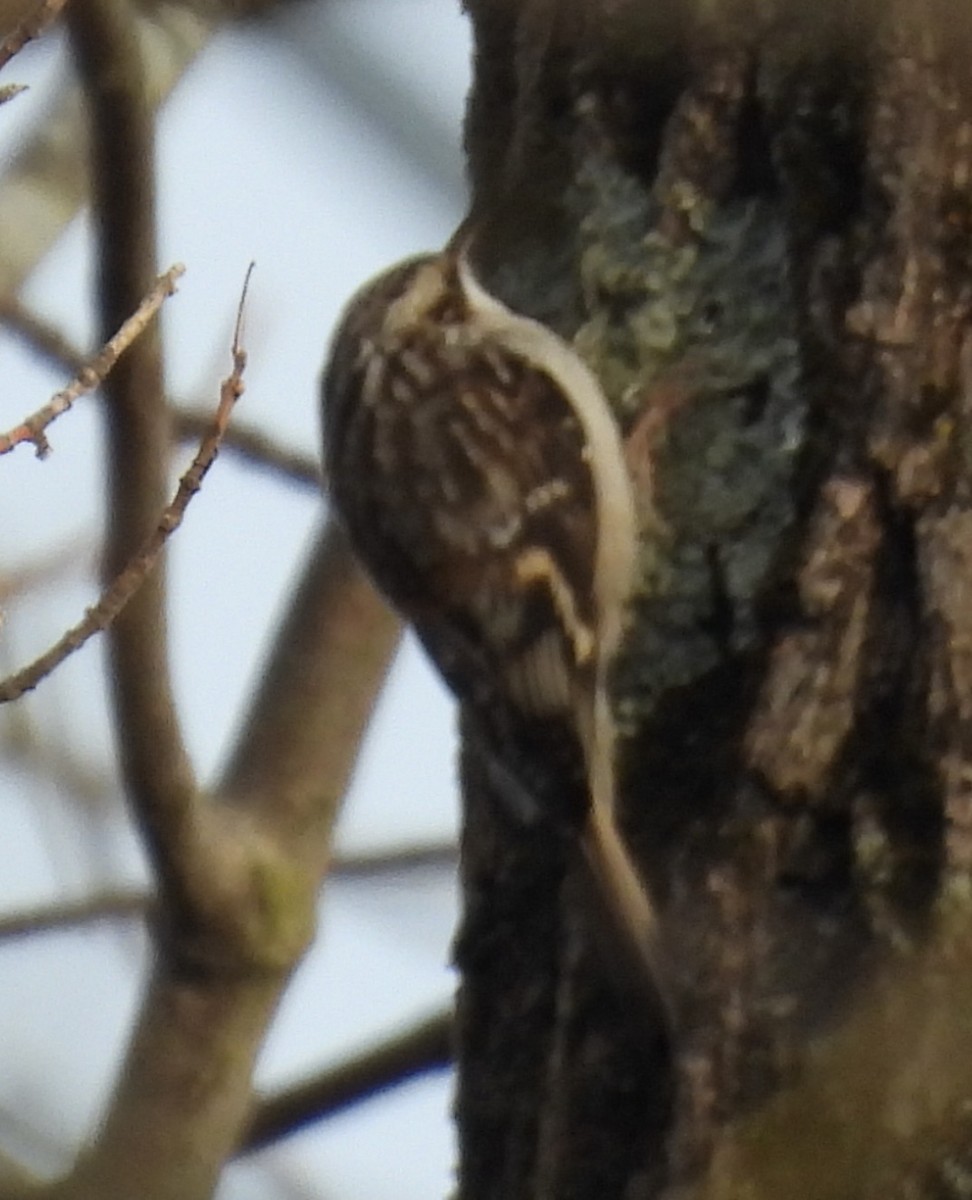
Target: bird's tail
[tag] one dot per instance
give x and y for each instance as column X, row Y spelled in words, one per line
column 625, row 921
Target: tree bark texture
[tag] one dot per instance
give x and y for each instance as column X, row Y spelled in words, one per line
column 754, row 220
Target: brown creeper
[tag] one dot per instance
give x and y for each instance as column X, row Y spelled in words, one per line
column 480, row 474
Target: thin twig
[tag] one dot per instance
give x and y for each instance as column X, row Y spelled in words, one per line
column 67, row 914
column 256, row 448
column 127, row 903
column 43, row 751
column 425, row 1047
column 251, row 444
column 32, row 26
column 390, row 862
column 121, row 589
column 93, row 373
column 40, row 336
column 19, row 581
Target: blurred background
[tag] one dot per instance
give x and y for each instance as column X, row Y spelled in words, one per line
column 321, row 142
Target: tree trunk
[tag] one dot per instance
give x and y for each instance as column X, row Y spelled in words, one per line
column 754, row 219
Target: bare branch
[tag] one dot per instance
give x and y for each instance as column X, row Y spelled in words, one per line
column 238, row 877
column 298, row 744
column 390, row 862
column 155, row 764
column 16, row 582
column 124, row 586
column 182, row 1092
column 127, row 903
column 46, row 753
column 256, row 448
column 425, row 1047
column 32, row 26
column 250, row 443
column 46, row 918
column 41, row 336
column 94, row 372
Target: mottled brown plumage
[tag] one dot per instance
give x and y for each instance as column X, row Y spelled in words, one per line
column 479, row 472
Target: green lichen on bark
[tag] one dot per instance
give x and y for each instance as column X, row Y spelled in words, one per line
column 696, row 339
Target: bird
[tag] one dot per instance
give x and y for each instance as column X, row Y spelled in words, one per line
column 479, row 472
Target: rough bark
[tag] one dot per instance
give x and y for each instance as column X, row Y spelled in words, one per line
column 753, row 218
